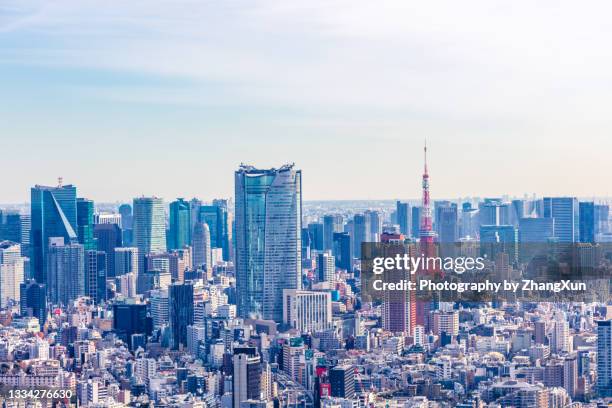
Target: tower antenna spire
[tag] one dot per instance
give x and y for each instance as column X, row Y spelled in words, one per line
column 425, row 155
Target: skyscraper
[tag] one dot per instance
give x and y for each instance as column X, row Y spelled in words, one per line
column 217, row 218
column 85, row 223
column 108, row 237
column 604, row 358
column 127, row 223
column 499, row 238
column 180, row 224
column 66, row 271
column 315, row 231
column 326, row 267
column 342, row 381
column 180, row 311
column 361, row 232
column 532, row 230
column 128, row 319
column 126, row 261
column 415, row 221
column 246, row 378
column 95, row 275
column 402, row 211
column 565, row 212
column 11, row 272
column 53, row 214
column 331, row 224
column 376, row 224
column 10, row 227
column 446, row 223
column 268, row 238
column 586, row 212
column 493, row 211
column 343, row 251
column 149, row 225
column 201, row 246
column 33, row 300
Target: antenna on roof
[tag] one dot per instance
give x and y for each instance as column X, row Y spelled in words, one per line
column 60, row 181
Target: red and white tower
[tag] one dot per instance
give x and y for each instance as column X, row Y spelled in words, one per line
column 427, row 247
column 426, row 233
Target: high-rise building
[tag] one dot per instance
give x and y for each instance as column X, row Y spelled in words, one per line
column 469, row 221
column 446, row 223
column 159, row 307
column 180, row 311
column 602, row 217
column 315, row 233
column 446, row 323
column 126, row 261
column 246, row 378
column 180, row 224
column 33, row 300
column 26, row 230
column 343, row 251
column 493, row 211
column 517, row 211
column 201, row 245
column 130, row 319
column 533, row 230
column 10, row 227
column 331, row 224
column 564, row 210
column 604, row 358
column 65, row 271
column 307, row 311
column 95, row 275
column 326, row 267
column 361, row 232
column 149, row 225
column 586, row 212
column 85, row 223
column 127, row 224
column 217, row 218
column 560, row 341
column 53, row 214
column 415, row 221
column 376, row 225
column 396, row 311
column 402, row 212
column 268, row 238
column 342, row 381
column 570, row 375
column 11, row 273
column 108, row 237
column 499, row 238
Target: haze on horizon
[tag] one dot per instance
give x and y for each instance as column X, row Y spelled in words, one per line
column 169, row 97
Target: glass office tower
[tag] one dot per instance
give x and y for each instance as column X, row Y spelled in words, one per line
column 268, row 226
column 180, row 224
column 149, row 225
column 53, row 214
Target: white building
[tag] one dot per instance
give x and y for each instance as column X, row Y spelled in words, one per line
column 307, row 311
column 11, row 272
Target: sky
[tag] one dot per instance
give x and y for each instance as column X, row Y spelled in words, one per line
column 169, row 97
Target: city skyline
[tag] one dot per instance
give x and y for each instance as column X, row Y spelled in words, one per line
column 346, row 95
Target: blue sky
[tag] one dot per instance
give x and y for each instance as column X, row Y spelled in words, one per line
column 169, row 97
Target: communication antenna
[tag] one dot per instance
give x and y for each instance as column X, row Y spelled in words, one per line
column 60, row 181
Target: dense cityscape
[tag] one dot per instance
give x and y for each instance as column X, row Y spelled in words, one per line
column 255, row 301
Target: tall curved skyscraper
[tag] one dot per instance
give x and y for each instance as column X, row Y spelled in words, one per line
column 200, row 242
column 268, row 241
